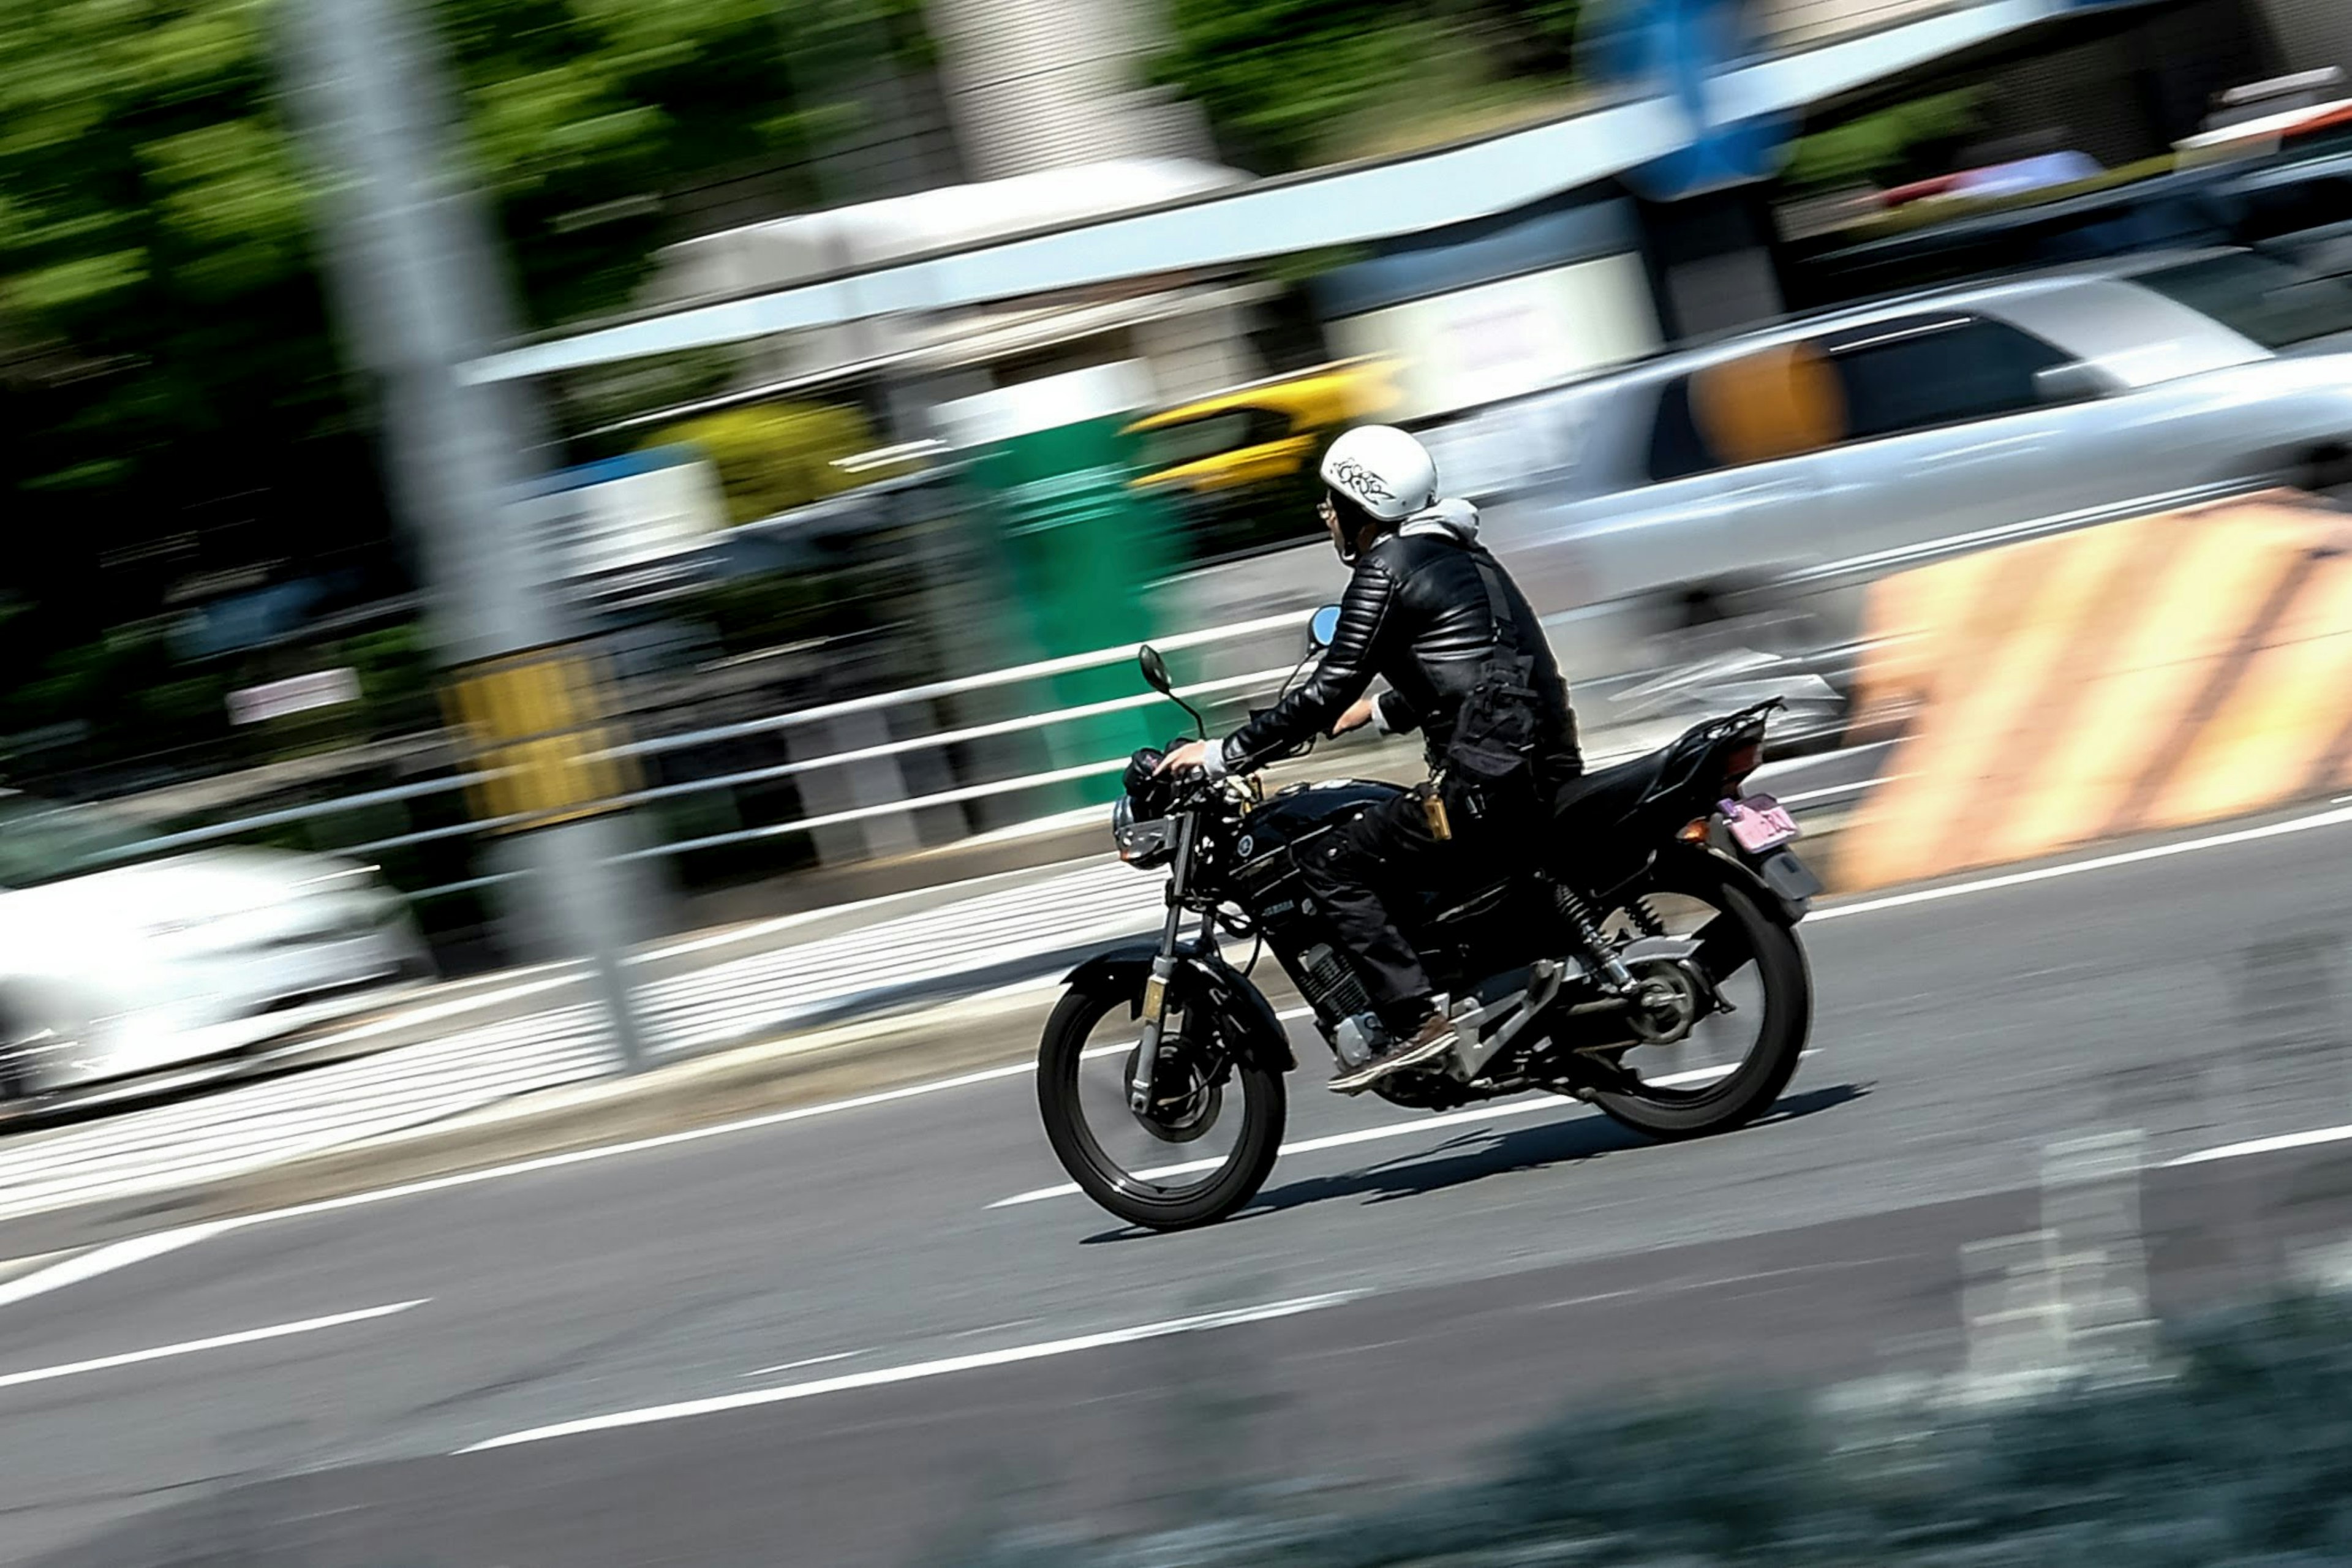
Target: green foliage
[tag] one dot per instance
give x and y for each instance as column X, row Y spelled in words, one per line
column 768, row 611
column 772, row 457
column 606, row 394
column 396, row 673
column 1287, row 82
column 163, row 336
column 1877, row 146
column 137, row 701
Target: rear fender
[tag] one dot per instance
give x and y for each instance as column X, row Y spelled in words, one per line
column 1690, row 859
column 1248, row 1018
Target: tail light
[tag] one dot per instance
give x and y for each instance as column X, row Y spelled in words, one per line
column 1742, row 761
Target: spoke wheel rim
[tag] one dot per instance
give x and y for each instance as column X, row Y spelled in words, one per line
column 1178, row 1158
column 1703, row 1062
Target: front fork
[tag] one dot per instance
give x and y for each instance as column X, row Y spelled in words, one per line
column 1163, row 971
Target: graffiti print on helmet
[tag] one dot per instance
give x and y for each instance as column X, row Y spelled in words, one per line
column 1363, row 481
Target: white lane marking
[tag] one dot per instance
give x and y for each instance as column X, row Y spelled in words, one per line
column 804, row 1360
column 217, row 1342
column 2077, row 867
column 106, row 1260
column 2265, row 1145
column 881, row 1377
column 1373, row 1134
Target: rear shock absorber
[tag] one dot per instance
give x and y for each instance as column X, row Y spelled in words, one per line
column 1579, row 915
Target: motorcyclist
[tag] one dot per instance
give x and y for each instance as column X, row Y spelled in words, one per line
column 1425, row 610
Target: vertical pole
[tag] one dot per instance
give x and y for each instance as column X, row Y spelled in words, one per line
column 414, row 271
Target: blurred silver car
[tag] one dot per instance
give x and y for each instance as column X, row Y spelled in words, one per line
column 115, row 963
column 1965, row 410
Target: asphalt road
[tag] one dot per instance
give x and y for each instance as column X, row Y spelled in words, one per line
column 817, row 1341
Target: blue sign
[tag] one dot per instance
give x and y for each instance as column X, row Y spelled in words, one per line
column 1678, row 49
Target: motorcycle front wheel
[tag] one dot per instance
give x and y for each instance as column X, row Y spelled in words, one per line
column 1205, row 1147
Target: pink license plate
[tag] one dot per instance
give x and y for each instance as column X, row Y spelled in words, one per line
column 1759, row 822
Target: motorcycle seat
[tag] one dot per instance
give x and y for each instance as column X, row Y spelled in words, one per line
column 1606, row 796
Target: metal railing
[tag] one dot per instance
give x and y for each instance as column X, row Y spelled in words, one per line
column 657, row 747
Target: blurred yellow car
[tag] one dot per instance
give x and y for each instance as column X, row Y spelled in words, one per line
column 1269, row 429
column 1240, row 463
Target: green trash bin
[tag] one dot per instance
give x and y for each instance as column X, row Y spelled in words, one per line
column 1077, row 546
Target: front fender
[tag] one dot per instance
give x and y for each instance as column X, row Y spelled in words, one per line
column 1249, row 1024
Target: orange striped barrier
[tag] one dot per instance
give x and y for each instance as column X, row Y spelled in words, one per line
column 2151, row 673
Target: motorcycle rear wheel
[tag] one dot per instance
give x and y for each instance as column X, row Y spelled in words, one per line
column 1172, row 1192
column 1784, row 993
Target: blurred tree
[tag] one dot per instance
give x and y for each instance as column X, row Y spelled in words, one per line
column 1285, row 81
column 167, row 366
column 595, row 402
column 1886, row 146
column 778, row 455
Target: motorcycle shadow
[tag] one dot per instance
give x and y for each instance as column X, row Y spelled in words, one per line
column 1490, row 1151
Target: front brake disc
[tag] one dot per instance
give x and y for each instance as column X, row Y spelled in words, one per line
column 1185, row 1098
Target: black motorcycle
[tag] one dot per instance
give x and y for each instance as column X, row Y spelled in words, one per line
column 1645, row 962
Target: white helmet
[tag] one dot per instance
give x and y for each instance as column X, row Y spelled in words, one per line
column 1383, row 471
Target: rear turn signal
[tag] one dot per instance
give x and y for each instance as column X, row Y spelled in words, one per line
column 1694, row 831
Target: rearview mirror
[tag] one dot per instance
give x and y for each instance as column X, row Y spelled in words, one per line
column 1155, row 672
column 1156, row 676
column 1323, row 628
column 2079, row 381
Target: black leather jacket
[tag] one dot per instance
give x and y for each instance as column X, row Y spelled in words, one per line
column 1415, row 615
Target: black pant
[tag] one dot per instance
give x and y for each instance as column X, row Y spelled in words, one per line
column 1391, row 850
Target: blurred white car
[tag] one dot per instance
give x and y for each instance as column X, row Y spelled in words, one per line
column 1962, row 410
column 115, row 963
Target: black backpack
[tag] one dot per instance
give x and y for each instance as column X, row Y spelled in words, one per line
column 1488, row 774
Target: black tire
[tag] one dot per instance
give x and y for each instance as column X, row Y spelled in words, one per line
column 1263, row 1110
column 1751, row 1090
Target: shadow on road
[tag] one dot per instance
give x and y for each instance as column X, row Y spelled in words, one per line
column 1489, row 1152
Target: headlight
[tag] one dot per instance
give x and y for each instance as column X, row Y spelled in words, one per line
column 1141, row 844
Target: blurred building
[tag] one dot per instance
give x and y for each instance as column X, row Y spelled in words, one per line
column 2312, row 33
column 1187, row 331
